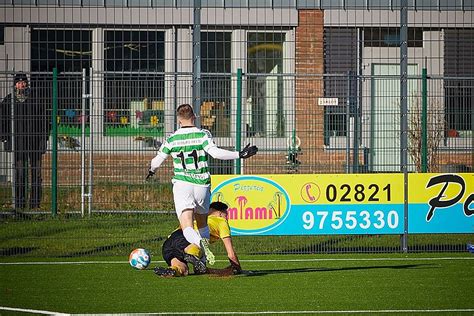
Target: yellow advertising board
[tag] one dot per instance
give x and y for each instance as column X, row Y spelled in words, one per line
column 346, row 203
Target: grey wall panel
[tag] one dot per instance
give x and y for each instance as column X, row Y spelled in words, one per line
column 360, row 18
column 149, row 16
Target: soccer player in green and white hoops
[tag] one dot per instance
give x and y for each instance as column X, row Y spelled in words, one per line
column 189, row 146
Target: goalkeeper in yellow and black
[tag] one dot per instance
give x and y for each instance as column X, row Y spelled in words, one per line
column 178, row 252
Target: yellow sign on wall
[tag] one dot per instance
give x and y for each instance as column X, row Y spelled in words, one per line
column 292, row 204
column 347, row 203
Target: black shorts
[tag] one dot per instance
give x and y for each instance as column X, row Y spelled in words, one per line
column 173, row 247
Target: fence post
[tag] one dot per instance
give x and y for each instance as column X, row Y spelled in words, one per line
column 354, row 106
column 13, row 131
column 424, row 120
column 91, row 142
column 197, row 61
column 54, row 139
column 404, row 115
column 238, row 119
column 83, row 141
column 348, row 123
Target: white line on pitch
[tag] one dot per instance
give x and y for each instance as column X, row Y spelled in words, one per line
column 32, row 311
column 310, row 312
column 245, row 260
column 313, row 312
column 64, row 262
column 386, row 311
column 358, row 259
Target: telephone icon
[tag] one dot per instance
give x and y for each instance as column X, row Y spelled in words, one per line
column 310, row 192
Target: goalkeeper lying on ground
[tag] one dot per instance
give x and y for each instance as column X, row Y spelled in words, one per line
column 178, row 252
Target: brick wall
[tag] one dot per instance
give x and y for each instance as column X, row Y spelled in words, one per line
column 309, row 87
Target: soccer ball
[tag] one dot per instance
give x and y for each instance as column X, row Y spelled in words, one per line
column 139, row 259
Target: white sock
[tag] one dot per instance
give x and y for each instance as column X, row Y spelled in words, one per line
column 204, row 232
column 192, row 236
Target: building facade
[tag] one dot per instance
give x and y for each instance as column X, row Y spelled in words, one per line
column 320, row 85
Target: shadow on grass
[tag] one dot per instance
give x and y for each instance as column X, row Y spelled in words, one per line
column 14, row 251
column 306, row 270
column 98, row 250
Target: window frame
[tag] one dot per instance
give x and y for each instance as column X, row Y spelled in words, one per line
column 133, row 74
column 217, row 108
column 72, row 116
column 288, row 93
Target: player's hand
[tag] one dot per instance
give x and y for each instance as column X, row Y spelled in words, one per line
column 150, row 174
column 236, row 269
column 248, row 151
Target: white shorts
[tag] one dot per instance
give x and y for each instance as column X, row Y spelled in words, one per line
column 188, row 196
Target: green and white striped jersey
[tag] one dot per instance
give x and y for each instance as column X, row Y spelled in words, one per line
column 188, row 147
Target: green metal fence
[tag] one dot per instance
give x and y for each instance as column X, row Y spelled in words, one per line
column 320, row 87
column 100, row 173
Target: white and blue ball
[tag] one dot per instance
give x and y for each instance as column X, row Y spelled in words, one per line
column 139, row 259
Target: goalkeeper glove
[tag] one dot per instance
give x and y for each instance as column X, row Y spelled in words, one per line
column 248, row 151
column 236, row 269
column 150, row 174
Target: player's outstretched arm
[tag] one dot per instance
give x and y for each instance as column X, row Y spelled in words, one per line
column 234, row 261
column 223, row 154
column 218, row 153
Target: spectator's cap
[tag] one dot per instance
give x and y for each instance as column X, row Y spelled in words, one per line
column 219, row 206
column 20, row 77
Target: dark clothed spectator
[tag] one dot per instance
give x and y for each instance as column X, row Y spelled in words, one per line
column 31, row 126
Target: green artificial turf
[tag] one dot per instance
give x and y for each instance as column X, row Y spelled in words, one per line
column 118, row 234
column 286, row 278
column 279, row 283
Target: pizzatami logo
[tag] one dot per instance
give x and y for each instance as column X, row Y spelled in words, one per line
column 256, row 204
column 446, row 197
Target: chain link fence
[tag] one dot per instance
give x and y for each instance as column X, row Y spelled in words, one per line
column 315, row 85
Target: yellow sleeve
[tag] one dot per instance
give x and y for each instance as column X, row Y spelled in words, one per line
column 224, row 229
column 218, row 228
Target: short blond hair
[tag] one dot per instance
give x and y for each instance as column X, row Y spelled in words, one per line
column 185, row 111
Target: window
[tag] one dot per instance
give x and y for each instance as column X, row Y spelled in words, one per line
column 459, row 107
column 340, row 58
column 134, row 104
column 334, row 122
column 216, row 82
column 2, row 35
column 390, row 37
column 67, row 50
column 134, row 51
column 264, row 107
column 70, row 52
column 459, row 89
column 134, row 83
